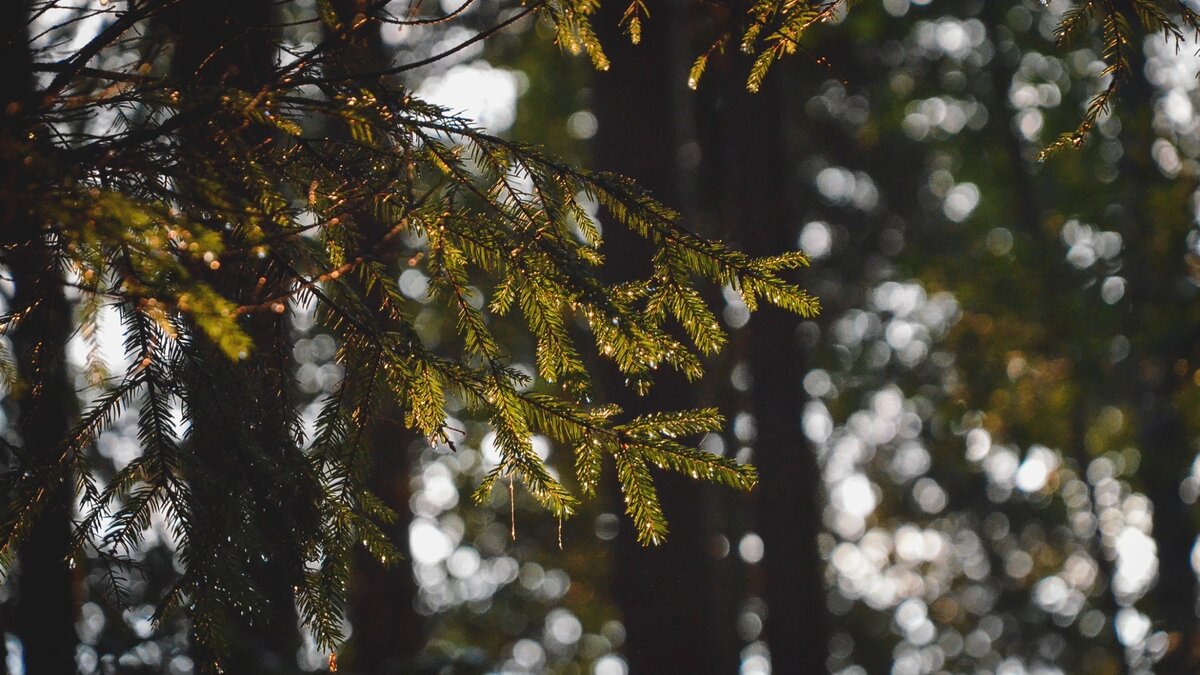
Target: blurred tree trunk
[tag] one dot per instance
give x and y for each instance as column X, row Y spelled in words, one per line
column 388, row 633
column 242, row 415
column 1166, row 350
column 1165, row 451
column 46, row 606
column 673, row 619
column 789, row 498
column 43, row 615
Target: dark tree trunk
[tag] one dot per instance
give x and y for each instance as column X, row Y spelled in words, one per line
column 1164, row 338
column 789, row 495
column 1166, row 452
column 43, row 615
column 674, row 621
column 388, row 631
column 249, row 477
column 245, row 485
column 1167, row 449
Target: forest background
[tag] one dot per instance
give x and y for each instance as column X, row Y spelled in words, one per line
column 979, row 456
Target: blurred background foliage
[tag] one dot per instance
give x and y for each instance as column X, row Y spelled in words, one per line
column 979, row 458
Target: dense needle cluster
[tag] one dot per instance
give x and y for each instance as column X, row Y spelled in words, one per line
column 231, row 190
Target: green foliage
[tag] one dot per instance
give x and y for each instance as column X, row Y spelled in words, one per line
column 632, row 19
column 1170, row 18
column 571, row 20
column 768, row 30
column 213, row 209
